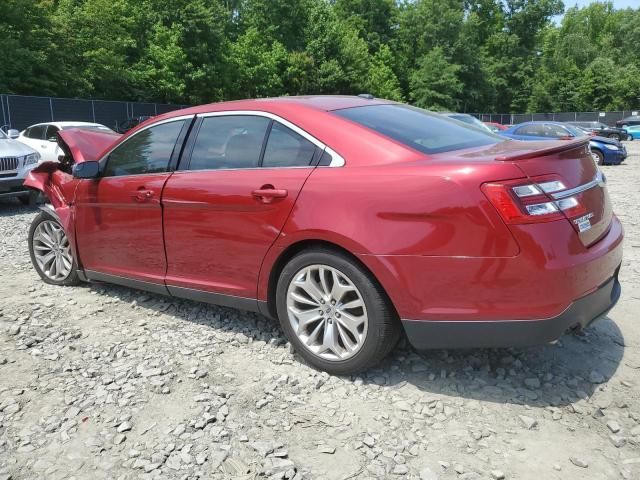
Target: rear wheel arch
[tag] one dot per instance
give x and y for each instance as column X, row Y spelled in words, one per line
column 314, row 244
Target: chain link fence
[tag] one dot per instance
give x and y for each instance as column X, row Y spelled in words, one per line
column 609, row 118
column 21, row 111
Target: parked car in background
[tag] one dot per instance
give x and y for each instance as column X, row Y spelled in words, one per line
column 605, row 151
column 16, row 160
column 127, row 125
column 628, row 121
column 602, row 129
column 633, row 131
column 495, row 127
column 466, row 118
column 43, row 137
column 447, row 228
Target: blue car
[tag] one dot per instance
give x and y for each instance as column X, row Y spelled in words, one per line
column 605, row 151
column 633, row 131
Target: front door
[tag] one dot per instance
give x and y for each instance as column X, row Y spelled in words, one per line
column 228, row 204
column 119, row 216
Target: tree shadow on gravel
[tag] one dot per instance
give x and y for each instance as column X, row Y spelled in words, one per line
column 552, row 375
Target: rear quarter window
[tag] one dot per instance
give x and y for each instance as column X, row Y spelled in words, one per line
column 419, row 129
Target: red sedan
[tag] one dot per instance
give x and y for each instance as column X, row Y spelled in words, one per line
column 351, row 220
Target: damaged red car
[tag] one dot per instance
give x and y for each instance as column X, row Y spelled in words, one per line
column 351, row 220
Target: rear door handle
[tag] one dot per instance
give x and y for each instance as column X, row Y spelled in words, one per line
column 143, row 195
column 267, row 193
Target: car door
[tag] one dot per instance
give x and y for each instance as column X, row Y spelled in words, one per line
column 118, row 215
column 228, row 202
column 49, row 144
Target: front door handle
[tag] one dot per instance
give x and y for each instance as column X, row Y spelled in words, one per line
column 143, row 195
column 267, row 193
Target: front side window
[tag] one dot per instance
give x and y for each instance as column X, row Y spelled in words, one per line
column 286, row 148
column 419, row 129
column 148, row 151
column 51, row 132
column 231, row 141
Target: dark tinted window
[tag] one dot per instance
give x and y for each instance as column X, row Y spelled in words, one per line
column 36, row 132
column 51, row 132
column 419, row 129
column 148, row 151
column 233, row 141
column 286, row 148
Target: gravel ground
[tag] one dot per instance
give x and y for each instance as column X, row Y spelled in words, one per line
column 105, row 382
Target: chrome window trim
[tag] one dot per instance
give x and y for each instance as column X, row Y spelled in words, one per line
column 336, row 159
column 598, row 180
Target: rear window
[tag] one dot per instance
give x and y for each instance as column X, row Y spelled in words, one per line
column 419, row 129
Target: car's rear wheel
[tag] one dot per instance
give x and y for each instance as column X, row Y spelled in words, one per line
column 334, row 313
column 50, row 251
column 598, row 156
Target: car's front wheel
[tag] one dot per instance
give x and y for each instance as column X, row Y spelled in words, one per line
column 50, row 251
column 598, row 156
column 334, row 312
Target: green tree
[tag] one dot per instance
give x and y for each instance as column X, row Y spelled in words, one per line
column 435, row 84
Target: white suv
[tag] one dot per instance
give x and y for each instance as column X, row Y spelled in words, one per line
column 16, row 161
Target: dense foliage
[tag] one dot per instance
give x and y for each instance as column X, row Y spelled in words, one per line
column 467, row 55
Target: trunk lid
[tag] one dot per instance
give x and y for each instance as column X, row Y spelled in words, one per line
column 583, row 181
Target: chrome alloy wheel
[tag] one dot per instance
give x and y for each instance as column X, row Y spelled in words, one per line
column 52, row 251
column 327, row 312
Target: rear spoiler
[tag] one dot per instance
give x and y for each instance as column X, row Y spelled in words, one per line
column 560, row 146
column 85, row 145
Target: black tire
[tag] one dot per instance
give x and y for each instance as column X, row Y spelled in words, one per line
column 615, row 136
column 383, row 328
column 599, row 155
column 72, row 278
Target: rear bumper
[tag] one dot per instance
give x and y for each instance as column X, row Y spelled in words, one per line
column 427, row 334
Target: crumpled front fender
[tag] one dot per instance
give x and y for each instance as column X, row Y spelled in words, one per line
column 59, row 188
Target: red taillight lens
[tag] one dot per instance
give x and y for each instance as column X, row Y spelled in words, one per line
column 529, row 201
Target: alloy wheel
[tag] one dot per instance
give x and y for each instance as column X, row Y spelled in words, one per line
column 52, row 251
column 327, row 312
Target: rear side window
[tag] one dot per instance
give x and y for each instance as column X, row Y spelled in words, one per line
column 286, row 148
column 419, row 129
column 233, row 141
column 148, row 151
column 36, row 132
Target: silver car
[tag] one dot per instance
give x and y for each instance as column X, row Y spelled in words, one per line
column 16, row 161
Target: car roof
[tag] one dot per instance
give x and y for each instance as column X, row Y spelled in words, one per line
column 67, row 124
column 324, row 103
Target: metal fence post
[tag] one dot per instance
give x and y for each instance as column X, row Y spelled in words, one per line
column 93, row 110
column 51, row 107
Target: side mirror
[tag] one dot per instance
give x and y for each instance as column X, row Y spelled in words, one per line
column 52, row 139
column 90, row 169
column 13, row 133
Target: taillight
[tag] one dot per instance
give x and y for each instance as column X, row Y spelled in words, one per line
column 528, row 201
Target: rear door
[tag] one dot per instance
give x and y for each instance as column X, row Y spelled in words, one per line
column 119, row 216
column 228, row 202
